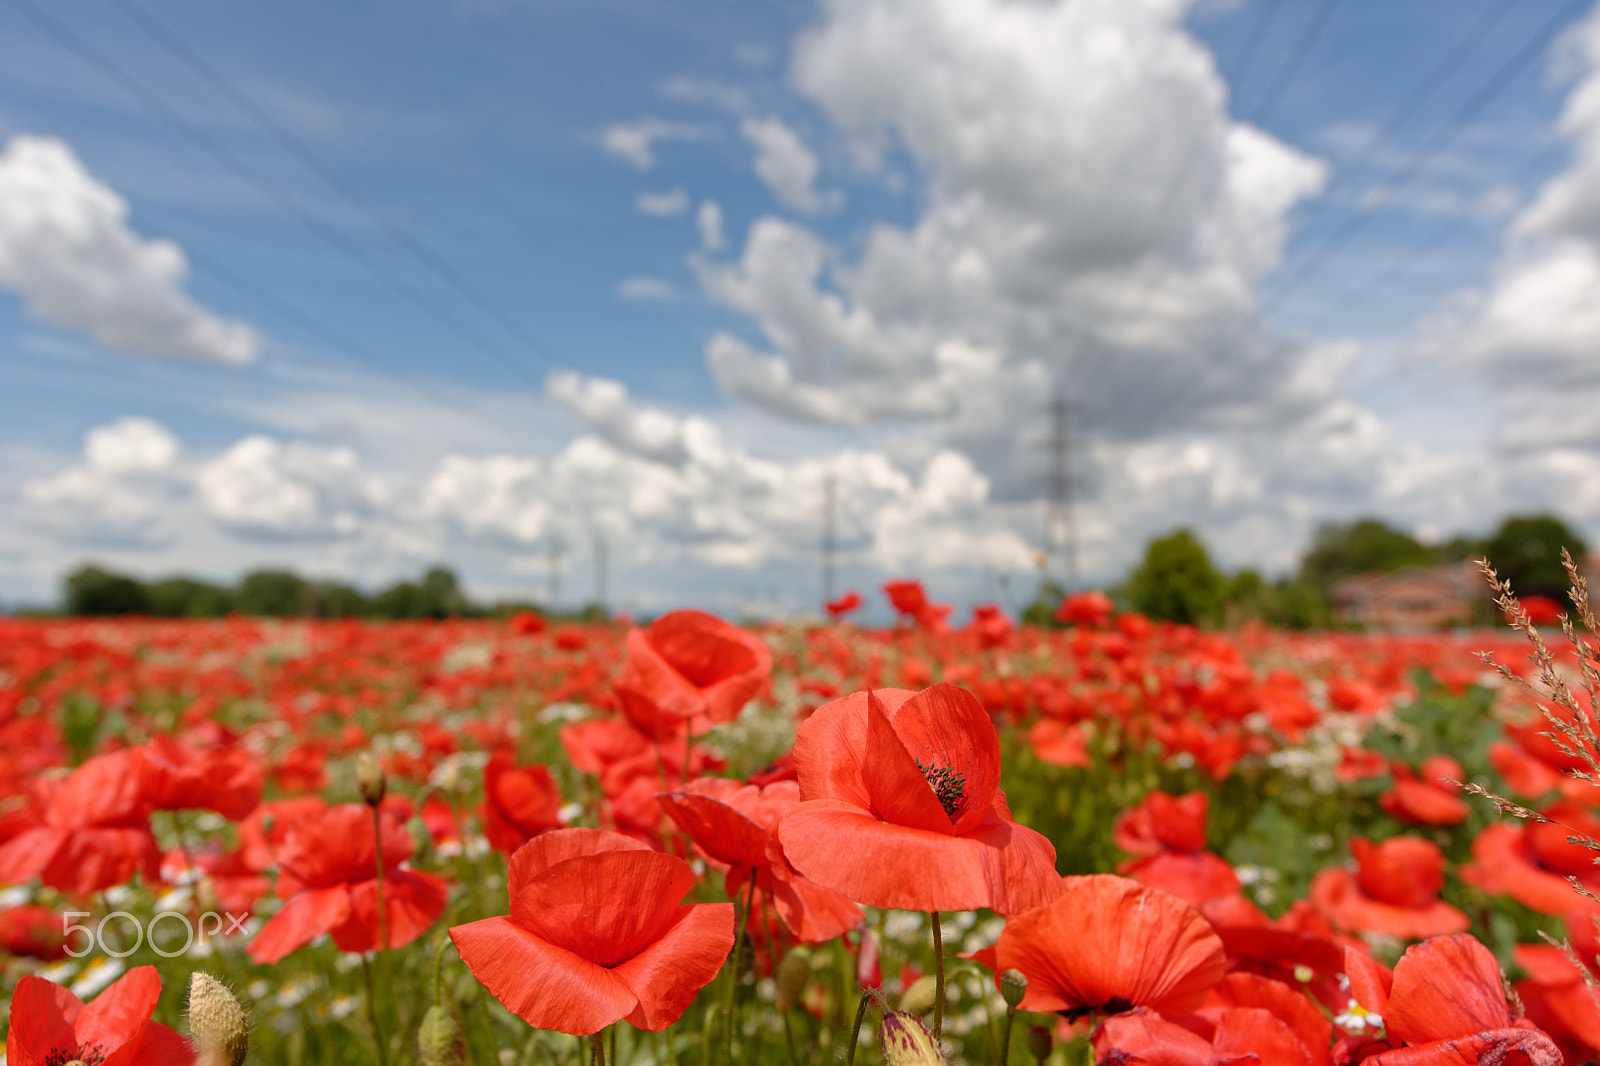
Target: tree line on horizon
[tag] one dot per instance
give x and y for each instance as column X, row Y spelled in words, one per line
column 1176, row 580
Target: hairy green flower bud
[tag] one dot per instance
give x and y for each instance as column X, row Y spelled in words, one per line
column 1040, row 1041
column 793, row 973
column 371, row 781
column 1013, row 986
column 907, row 1042
column 918, row 999
column 217, row 1023
column 439, row 1039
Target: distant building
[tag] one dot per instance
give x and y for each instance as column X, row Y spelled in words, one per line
column 1412, row 598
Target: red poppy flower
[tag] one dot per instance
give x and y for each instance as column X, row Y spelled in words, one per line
column 1301, row 938
column 692, row 666
column 50, row 1025
column 1556, row 995
column 901, row 806
column 32, row 931
column 1167, row 836
column 850, row 601
column 519, row 802
column 1531, row 862
column 596, row 933
column 736, row 825
column 1109, row 944
column 179, row 777
column 1525, row 775
column 1394, row 890
column 1092, row 608
column 87, row 831
column 1059, row 744
column 1424, row 798
column 1446, row 1004
column 328, row 870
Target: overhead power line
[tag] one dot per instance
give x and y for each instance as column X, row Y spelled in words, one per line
column 270, row 189
column 308, row 157
column 1297, row 56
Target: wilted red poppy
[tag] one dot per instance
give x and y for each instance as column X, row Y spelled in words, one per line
column 327, row 867
column 1394, row 890
column 179, row 777
column 87, row 831
column 692, row 666
column 1167, row 837
column 51, row 1026
column 736, row 825
column 1109, row 944
column 1445, row 1002
column 1531, row 862
column 901, row 806
column 596, row 933
column 519, row 802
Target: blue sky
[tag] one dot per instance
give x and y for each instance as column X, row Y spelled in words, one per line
column 721, row 227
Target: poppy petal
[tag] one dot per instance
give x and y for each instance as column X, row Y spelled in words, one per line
column 115, row 1020
column 301, row 920
column 1109, row 939
column 944, row 725
column 607, row 907
column 164, row 1046
column 829, row 747
column 718, row 828
column 1309, row 1026
column 668, row 974
column 1499, row 1045
column 1254, row 1031
column 1446, row 988
column 412, row 902
column 546, row 986
column 42, row 1016
column 899, row 788
column 1191, row 876
column 1005, row 867
column 1370, row 981
column 24, row 856
column 1145, row 1038
column 559, row 845
column 813, row 914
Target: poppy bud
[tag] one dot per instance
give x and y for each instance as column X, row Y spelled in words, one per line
column 370, row 780
column 793, row 973
column 218, row 1025
column 1040, row 1041
column 439, row 1039
column 918, row 999
column 1013, row 986
column 907, row 1042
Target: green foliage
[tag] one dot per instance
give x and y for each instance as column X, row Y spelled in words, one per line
column 274, row 593
column 182, row 597
column 95, row 591
column 1177, row 582
column 1364, row 546
column 1042, row 611
column 1288, row 604
column 1526, row 550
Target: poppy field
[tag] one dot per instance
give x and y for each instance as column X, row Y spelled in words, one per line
column 697, row 843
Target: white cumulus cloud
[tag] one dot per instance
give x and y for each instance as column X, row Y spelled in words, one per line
column 785, row 165
column 67, row 249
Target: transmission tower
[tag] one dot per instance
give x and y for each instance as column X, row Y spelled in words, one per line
column 554, row 547
column 602, row 559
column 1060, row 524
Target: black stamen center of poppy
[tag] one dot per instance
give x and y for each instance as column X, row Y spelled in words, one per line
column 1114, row 1005
column 91, row 1055
column 948, row 784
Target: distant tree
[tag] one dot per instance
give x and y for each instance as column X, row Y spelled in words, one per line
column 1177, row 581
column 330, row 599
column 273, row 593
column 92, row 590
column 1364, row 546
column 444, row 596
column 1526, row 550
column 182, row 597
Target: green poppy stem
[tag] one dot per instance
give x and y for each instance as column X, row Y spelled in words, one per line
column 740, row 921
column 1005, row 1035
column 597, row 1057
column 855, row 1030
column 380, row 1039
column 938, row 980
